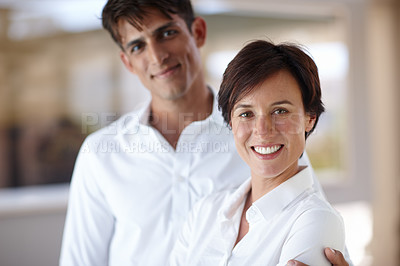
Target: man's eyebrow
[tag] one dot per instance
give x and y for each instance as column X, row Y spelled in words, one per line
column 133, row 42
column 154, row 33
column 163, row 27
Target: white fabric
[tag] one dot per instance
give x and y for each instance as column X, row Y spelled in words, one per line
column 290, row 222
column 131, row 191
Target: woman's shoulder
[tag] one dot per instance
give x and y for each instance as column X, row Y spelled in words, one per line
column 316, row 225
column 317, row 210
column 316, row 203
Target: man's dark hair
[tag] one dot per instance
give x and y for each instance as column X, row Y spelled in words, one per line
column 134, row 11
column 259, row 60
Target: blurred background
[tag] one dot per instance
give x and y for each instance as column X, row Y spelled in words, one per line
column 61, row 79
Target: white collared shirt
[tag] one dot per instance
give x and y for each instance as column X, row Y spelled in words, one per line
column 131, row 191
column 290, row 222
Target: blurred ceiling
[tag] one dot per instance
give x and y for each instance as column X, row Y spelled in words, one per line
column 66, row 15
column 33, row 18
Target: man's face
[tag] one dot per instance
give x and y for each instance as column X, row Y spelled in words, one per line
column 164, row 54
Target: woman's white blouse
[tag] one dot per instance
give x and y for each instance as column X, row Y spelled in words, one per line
column 290, row 222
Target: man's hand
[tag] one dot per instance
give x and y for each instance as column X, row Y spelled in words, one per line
column 334, row 256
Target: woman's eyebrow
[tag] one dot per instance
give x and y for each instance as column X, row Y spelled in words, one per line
column 246, row 105
column 282, row 102
column 242, row 105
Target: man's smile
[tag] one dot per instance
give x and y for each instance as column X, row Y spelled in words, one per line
column 166, row 73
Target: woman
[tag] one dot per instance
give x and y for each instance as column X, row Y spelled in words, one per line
column 271, row 98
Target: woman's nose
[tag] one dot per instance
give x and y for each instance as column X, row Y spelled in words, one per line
column 264, row 125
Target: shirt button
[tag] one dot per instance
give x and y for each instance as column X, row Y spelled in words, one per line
column 225, row 259
column 251, row 215
column 179, row 179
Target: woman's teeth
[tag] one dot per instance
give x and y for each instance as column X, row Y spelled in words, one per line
column 267, row 150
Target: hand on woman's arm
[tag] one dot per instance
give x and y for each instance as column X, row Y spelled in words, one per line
column 334, row 256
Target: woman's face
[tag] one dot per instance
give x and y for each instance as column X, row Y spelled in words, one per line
column 269, row 126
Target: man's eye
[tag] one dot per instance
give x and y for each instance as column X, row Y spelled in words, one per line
column 246, row 114
column 135, row 48
column 169, row 33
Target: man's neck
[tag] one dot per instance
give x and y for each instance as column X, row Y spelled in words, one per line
column 171, row 117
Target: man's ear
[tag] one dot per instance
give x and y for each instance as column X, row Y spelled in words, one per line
column 125, row 60
column 199, row 31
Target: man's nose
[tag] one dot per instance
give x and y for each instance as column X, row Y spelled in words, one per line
column 157, row 53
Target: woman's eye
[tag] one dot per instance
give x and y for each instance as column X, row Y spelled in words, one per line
column 246, row 114
column 280, row 111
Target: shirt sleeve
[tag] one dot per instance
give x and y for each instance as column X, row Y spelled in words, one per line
column 347, row 257
column 311, row 233
column 89, row 223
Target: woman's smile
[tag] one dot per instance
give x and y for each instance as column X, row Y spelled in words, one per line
column 269, row 126
column 267, row 152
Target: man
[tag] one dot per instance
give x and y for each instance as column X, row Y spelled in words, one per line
column 135, row 181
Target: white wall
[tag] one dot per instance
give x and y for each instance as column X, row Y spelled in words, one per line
column 31, row 225
column 384, row 68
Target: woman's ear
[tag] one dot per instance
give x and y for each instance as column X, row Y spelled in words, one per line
column 199, row 31
column 310, row 121
column 125, row 60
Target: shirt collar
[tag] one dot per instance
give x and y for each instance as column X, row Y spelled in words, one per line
column 282, row 196
column 271, row 203
column 235, row 202
column 143, row 113
column 130, row 122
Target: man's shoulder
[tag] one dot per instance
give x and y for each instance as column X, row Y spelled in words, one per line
column 126, row 124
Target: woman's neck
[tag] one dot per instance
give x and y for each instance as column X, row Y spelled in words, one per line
column 262, row 185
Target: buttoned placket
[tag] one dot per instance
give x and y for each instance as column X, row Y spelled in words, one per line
column 229, row 233
column 178, row 176
column 180, row 186
column 229, row 229
column 182, row 159
column 253, row 217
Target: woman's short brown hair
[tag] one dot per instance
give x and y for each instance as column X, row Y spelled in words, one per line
column 260, row 59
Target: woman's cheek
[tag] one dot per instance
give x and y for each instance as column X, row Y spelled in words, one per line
column 290, row 125
column 242, row 129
